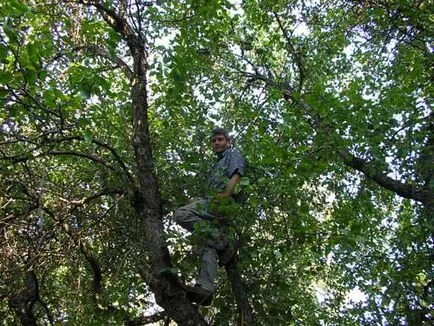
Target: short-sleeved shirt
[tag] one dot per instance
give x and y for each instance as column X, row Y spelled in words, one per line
column 229, row 163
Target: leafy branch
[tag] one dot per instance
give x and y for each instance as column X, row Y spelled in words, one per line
column 403, row 189
column 94, row 49
column 49, row 141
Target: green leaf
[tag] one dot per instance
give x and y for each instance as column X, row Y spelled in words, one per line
column 4, row 52
column 88, row 135
column 5, row 77
column 245, row 181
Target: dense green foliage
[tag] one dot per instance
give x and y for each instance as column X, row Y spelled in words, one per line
column 330, row 101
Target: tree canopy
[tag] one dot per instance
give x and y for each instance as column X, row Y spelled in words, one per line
column 107, row 108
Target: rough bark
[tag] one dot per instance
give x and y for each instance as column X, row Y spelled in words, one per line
column 23, row 302
column 168, row 293
column 425, row 169
column 369, row 170
column 146, row 200
column 143, row 320
column 246, row 312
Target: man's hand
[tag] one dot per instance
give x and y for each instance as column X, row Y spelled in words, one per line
column 220, row 199
column 222, row 196
column 230, row 187
column 220, row 204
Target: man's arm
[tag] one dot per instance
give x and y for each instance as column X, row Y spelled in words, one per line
column 224, row 198
column 229, row 190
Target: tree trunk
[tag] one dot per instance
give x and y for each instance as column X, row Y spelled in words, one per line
column 22, row 303
column 147, row 202
column 246, row 312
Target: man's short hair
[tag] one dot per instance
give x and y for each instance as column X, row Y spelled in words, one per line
column 222, row 132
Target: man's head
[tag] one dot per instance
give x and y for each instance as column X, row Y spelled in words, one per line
column 220, row 140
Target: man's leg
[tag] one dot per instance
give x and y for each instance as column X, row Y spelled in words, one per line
column 208, row 269
column 187, row 216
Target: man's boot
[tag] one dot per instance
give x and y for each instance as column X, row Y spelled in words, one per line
column 199, row 295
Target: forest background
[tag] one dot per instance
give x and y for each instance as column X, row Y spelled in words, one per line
column 107, row 106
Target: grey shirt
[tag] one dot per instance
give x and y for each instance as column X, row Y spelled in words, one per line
column 229, row 162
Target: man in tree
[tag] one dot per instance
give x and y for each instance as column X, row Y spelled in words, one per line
column 215, row 209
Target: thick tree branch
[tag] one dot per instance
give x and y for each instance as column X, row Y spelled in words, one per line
column 96, row 50
column 400, row 188
column 93, row 158
column 99, row 143
column 174, row 295
column 49, row 141
column 117, row 22
column 22, row 303
column 286, row 89
column 246, row 311
column 291, row 49
column 146, row 200
column 78, row 240
column 99, row 194
column 146, row 319
column 97, row 277
column 84, row 249
column 369, row 170
column 25, row 158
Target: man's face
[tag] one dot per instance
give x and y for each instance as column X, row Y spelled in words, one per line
column 219, row 144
